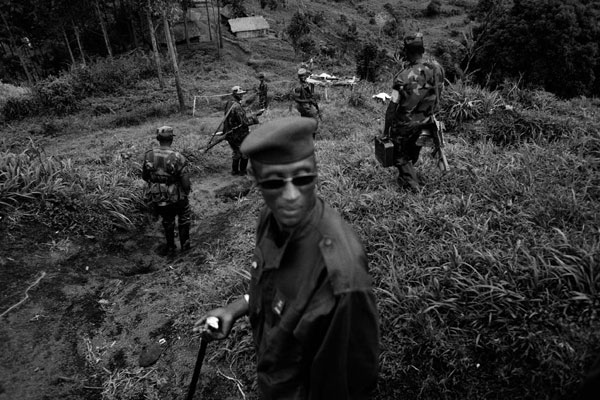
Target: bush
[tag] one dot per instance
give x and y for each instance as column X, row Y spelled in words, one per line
column 450, row 54
column 17, row 108
column 57, row 95
column 513, row 127
column 461, row 102
column 369, row 60
column 553, row 44
column 434, row 8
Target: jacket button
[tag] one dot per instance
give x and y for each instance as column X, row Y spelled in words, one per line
column 328, row 242
column 254, row 264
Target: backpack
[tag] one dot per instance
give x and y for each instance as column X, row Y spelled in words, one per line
column 159, row 172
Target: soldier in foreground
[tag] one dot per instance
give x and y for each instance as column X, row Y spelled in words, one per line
column 166, row 172
column 416, row 92
column 303, row 95
column 311, row 306
column 236, row 129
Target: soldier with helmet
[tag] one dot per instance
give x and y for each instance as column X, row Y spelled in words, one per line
column 262, row 91
column 303, row 95
column 168, row 189
column 235, row 128
column 416, row 93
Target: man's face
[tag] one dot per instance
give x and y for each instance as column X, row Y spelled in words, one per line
column 291, row 202
column 302, row 78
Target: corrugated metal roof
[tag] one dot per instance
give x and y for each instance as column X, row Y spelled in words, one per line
column 248, row 24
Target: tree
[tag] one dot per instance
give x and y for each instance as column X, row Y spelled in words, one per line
column 171, row 46
column 368, row 61
column 552, row 44
column 297, row 28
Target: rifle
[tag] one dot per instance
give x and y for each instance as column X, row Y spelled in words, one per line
column 439, row 131
column 318, row 111
column 438, row 139
column 224, row 135
column 208, row 146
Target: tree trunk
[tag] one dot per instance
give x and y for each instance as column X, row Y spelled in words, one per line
column 19, row 52
column 161, row 81
column 185, row 21
column 68, row 45
column 208, row 17
column 216, row 30
column 219, row 26
column 104, row 31
column 78, row 38
column 171, row 47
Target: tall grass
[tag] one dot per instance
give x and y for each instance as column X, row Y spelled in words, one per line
column 63, row 196
column 487, row 281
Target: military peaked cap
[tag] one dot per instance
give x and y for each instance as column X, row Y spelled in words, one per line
column 281, row 141
column 164, row 132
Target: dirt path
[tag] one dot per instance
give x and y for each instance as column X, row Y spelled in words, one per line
column 81, row 330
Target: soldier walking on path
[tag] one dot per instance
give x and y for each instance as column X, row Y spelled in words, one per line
column 416, row 92
column 235, row 128
column 310, row 302
column 169, row 185
column 303, row 95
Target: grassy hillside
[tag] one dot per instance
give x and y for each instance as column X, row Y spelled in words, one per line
column 487, row 281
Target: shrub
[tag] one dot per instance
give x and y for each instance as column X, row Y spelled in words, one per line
column 17, row 108
column 450, row 54
column 369, row 60
column 553, row 44
column 434, row 8
column 461, row 102
column 57, row 95
column 513, row 127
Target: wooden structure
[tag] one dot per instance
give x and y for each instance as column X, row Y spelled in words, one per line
column 249, row 27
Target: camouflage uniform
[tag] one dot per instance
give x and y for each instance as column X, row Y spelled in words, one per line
column 166, row 172
column 262, row 92
column 415, row 87
column 303, row 95
column 236, row 128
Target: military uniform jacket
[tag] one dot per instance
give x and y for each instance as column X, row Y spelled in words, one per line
column 304, row 92
column 312, row 310
column 262, row 90
column 417, row 86
column 163, row 169
column 237, row 122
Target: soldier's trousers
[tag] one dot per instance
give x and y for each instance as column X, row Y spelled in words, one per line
column 182, row 211
column 406, row 154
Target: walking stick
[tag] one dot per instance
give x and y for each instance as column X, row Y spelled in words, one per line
column 212, row 322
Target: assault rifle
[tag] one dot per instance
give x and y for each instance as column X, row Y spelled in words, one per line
column 223, row 135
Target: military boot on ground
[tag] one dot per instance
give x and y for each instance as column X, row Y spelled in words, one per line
column 169, row 248
column 243, row 166
column 184, row 237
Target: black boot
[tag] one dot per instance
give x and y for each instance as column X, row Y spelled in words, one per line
column 243, row 166
column 169, row 248
column 235, row 170
column 184, row 237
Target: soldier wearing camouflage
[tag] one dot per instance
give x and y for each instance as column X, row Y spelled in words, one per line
column 169, row 185
column 415, row 96
column 236, row 129
column 262, row 91
column 303, row 95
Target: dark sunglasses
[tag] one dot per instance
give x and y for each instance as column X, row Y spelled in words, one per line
column 278, row 183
